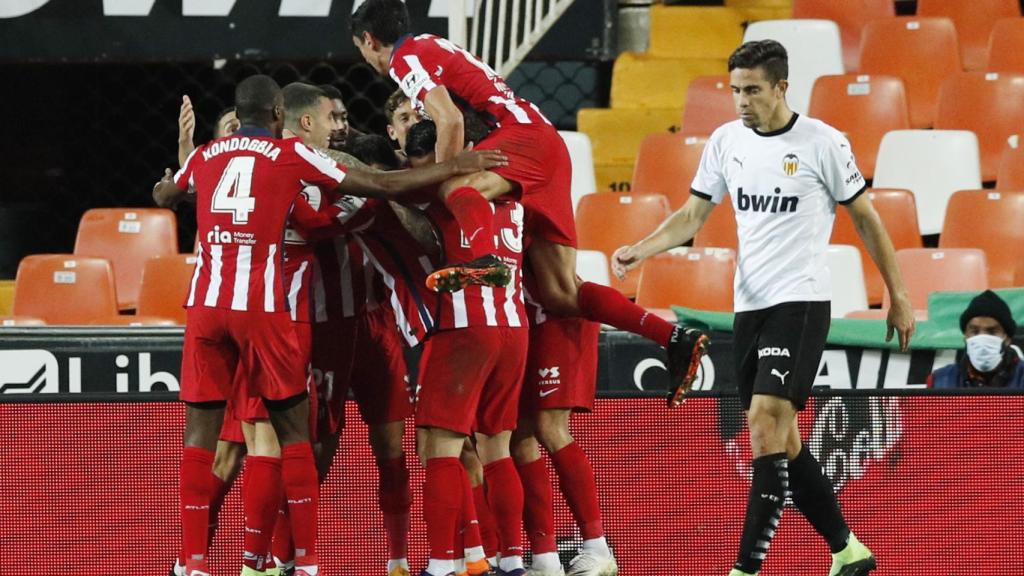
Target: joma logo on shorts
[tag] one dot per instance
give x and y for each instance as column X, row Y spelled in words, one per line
column 771, row 351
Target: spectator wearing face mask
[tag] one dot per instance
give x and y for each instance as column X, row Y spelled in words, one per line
column 990, row 360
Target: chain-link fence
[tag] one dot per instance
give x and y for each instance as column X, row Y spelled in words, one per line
column 88, row 136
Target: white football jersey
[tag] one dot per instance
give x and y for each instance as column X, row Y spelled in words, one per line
column 784, row 186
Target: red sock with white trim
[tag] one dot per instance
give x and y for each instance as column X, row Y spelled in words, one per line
column 576, row 480
column 395, row 501
column 302, row 491
column 194, row 486
column 608, row 306
column 262, row 499
column 476, row 218
column 505, row 495
column 538, row 507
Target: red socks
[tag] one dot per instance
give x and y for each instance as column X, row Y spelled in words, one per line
column 302, row 491
column 196, row 464
column 469, row 524
column 262, row 498
column 218, row 492
column 576, row 479
column 488, row 527
column 539, row 504
column 505, row 495
column 442, row 505
column 476, row 218
column 283, row 546
column 395, row 501
column 607, row 305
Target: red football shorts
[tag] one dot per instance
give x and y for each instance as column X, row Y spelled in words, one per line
column 470, row 379
column 247, row 406
column 538, row 161
column 561, row 366
column 265, row 345
column 365, row 355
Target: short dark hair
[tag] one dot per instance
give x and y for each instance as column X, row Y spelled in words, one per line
column 255, row 98
column 373, row 149
column 331, row 91
column 768, row 55
column 421, row 139
column 386, row 20
column 299, row 97
column 396, row 99
column 224, row 113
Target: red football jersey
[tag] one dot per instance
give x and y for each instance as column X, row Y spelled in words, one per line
column 482, row 305
column 245, row 186
column 420, row 63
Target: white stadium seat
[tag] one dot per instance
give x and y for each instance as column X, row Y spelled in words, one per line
column 814, row 47
column 581, row 153
column 933, row 164
column 848, row 290
column 592, row 266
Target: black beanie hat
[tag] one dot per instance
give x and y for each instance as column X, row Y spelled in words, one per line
column 988, row 303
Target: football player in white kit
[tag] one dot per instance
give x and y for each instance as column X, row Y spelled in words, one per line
column 785, row 174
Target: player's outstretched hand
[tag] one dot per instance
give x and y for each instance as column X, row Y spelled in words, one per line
column 186, row 120
column 471, row 161
column 900, row 320
column 625, row 259
column 162, row 190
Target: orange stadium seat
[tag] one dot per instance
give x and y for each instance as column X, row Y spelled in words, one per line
column 923, row 52
column 133, row 320
column 1018, row 277
column 694, row 31
column 698, row 278
column 165, row 284
column 1006, row 46
column 719, row 230
column 864, row 107
column 898, row 213
column 851, row 16
column 127, row 237
column 991, row 220
column 708, row 105
column 990, row 104
column 65, row 289
column 927, row 270
column 666, row 165
column 974, row 22
column 1011, row 167
column 606, row 221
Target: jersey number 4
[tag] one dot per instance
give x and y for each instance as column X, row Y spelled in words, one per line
column 237, row 177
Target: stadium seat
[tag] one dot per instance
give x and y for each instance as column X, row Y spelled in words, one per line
column 698, row 278
column 848, row 290
column 1018, row 277
column 974, row 22
column 814, row 50
column 592, row 266
column 754, row 10
column 1006, row 46
column 927, row 270
column 851, row 16
column 65, row 289
column 1011, row 166
column 990, row 104
column 615, row 134
column 898, row 212
column 165, row 285
column 20, row 321
column 864, row 107
column 666, row 165
column 133, row 320
column 719, row 230
column 933, row 164
column 990, row 220
column 607, row 220
column 128, row 237
column 582, row 156
column 642, row 81
column 709, row 104
column 922, row 52
column 6, row 296
column 694, row 32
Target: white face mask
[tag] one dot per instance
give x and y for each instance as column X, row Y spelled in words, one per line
column 985, row 351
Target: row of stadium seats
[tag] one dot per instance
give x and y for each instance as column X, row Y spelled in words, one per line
column 653, row 92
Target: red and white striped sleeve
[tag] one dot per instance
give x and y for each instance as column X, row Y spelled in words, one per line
column 316, row 169
column 183, row 177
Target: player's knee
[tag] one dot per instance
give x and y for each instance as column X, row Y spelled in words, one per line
column 386, row 442
column 227, row 462
column 202, row 424
column 559, row 297
column 290, row 418
column 767, row 432
column 553, row 431
column 525, row 448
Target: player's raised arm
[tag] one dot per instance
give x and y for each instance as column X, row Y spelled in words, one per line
column 450, row 123
column 676, row 230
column 186, row 130
column 397, row 184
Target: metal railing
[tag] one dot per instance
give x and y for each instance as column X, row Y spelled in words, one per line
column 504, row 31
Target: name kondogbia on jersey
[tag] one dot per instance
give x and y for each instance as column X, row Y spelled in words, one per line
column 264, row 147
column 760, row 203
